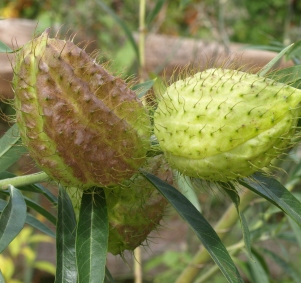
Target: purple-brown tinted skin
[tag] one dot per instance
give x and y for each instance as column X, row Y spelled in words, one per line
column 87, row 116
column 137, row 209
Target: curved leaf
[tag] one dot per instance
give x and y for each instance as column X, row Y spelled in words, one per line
column 32, row 221
column 121, row 23
column 1, row 277
column 200, row 226
column 273, row 191
column 4, row 48
column 143, row 88
column 11, row 148
column 234, row 196
column 92, row 237
column 30, row 203
column 12, row 218
column 65, row 240
column 155, row 11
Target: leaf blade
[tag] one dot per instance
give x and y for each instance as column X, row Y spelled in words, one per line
column 92, row 238
column 12, row 218
column 200, row 226
column 276, row 193
column 65, row 240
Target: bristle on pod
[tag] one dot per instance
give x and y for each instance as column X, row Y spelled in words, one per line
column 135, row 207
column 82, row 125
column 223, row 124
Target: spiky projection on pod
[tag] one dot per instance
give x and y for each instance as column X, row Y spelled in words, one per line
column 135, row 207
column 222, row 124
column 81, row 124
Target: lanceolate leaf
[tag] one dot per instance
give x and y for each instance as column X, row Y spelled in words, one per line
column 12, row 218
column 143, row 88
column 92, row 237
column 31, row 220
column 65, row 240
column 289, row 269
column 273, row 191
column 258, row 269
column 200, row 226
column 234, row 196
column 4, row 48
column 30, row 203
column 10, row 148
column 1, row 277
column 155, row 11
column 109, row 278
column 121, row 23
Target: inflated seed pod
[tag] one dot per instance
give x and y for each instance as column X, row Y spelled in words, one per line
column 221, row 124
column 82, row 125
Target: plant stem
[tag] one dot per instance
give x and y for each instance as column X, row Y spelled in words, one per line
column 24, row 180
column 229, row 218
column 142, row 38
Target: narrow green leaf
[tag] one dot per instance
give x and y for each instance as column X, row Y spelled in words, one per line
column 269, row 65
column 11, row 148
column 186, row 188
column 154, row 12
column 12, row 218
column 290, row 76
column 121, row 23
column 30, row 203
column 258, row 270
column 200, row 226
column 297, row 231
column 36, row 188
column 289, row 269
column 32, row 221
column 92, row 237
column 273, row 191
column 4, row 48
column 109, row 278
column 1, row 277
column 264, row 47
column 234, row 196
column 143, row 88
column 66, row 271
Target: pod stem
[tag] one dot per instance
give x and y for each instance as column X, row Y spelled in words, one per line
column 24, row 180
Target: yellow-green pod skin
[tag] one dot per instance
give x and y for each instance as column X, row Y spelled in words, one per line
column 221, row 124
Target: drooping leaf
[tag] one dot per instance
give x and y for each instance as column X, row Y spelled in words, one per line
column 1, row 277
column 121, row 23
column 270, row 65
column 143, row 88
column 288, row 268
column 12, row 218
column 200, row 226
column 273, row 191
column 34, row 222
column 258, row 269
column 66, row 271
column 92, row 237
column 11, row 148
column 234, row 196
column 4, row 48
column 109, row 278
column 154, row 12
column 38, row 208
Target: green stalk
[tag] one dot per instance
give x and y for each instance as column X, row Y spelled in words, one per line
column 24, row 180
column 227, row 221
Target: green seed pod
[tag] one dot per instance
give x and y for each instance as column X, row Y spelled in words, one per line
column 221, row 124
column 135, row 207
column 82, row 125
